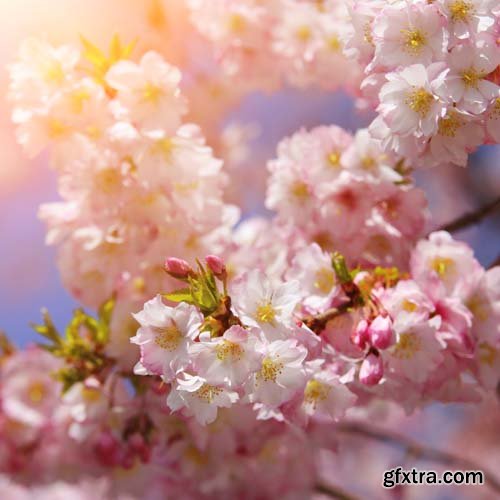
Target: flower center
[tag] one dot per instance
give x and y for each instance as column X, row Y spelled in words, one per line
column 164, row 147
column 334, row 159
column 487, row 353
column 408, row 345
column 368, row 162
column 420, row 101
column 91, row 395
column 449, row 125
column 151, row 93
column 168, row 337
column 53, row 72
column 303, row 33
column 300, row 190
column 334, row 43
column 229, row 350
column 208, row 393
column 442, row 265
column 266, row 313
column 324, row 279
column 461, row 10
column 478, row 308
column 237, row 23
column 316, row 392
column 270, row 370
column 108, row 180
column 409, row 306
column 36, row 392
column 471, row 77
column 56, row 128
column 414, row 41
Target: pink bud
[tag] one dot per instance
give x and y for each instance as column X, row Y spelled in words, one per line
column 215, row 264
column 178, row 268
column 380, row 332
column 359, row 336
column 372, row 370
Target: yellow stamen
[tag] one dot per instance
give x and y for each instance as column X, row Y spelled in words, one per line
column 442, row 266
column 461, row 10
column 334, row 159
column 448, row 125
column 300, row 190
column 36, row 392
column 471, row 77
column 270, row 370
column 229, row 351
column 409, row 306
column 420, row 101
column 414, row 41
column 151, row 93
column 304, row 33
column 487, row 353
column 208, row 393
column 408, row 345
column 266, row 313
column 324, row 279
column 316, row 392
column 168, row 337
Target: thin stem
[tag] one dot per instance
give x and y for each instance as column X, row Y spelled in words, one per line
column 335, row 492
column 318, row 322
column 418, row 450
column 471, row 218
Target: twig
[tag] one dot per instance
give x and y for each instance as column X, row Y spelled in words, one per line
column 335, row 492
column 318, row 322
column 418, row 450
column 471, row 218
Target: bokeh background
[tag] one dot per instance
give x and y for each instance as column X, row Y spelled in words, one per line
column 28, row 275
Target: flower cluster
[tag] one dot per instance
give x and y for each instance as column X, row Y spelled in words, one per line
column 322, row 339
column 132, row 176
column 432, row 74
column 265, row 44
column 344, row 193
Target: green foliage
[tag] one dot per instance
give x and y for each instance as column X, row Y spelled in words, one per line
column 202, row 291
column 81, row 346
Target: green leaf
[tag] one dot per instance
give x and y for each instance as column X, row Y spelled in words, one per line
column 181, row 295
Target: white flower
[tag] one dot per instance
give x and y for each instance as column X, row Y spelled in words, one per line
column 405, row 35
column 228, row 359
column 468, row 17
column 313, row 269
column 466, row 83
column 326, row 396
column 281, row 373
column 258, row 303
column 148, row 92
column 164, row 336
column 408, row 101
column 416, row 353
column 197, row 398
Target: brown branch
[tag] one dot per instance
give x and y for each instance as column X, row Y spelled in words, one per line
column 335, row 492
column 318, row 322
column 471, row 218
column 418, row 450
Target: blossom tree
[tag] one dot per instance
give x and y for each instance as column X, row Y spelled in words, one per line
column 224, row 356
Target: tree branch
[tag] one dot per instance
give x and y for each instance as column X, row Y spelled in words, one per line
column 471, row 218
column 318, row 322
column 335, row 492
column 418, row 450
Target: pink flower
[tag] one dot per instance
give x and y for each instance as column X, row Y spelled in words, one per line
column 410, row 33
column 372, row 370
column 445, row 266
column 148, row 92
column 165, row 335
column 178, row 268
column 257, row 302
column 194, row 396
column 408, row 101
column 230, row 359
column 381, row 333
column 280, row 376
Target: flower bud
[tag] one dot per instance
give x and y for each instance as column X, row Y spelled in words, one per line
column 380, row 332
column 372, row 370
column 216, row 265
column 178, row 268
column 359, row 335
